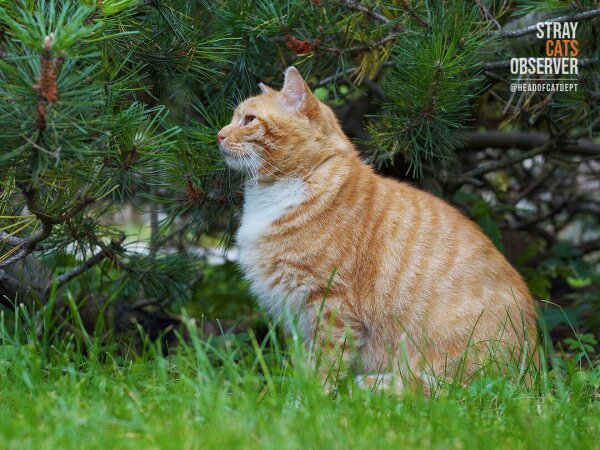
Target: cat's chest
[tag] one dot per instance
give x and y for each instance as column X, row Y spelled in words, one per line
column 263, row 205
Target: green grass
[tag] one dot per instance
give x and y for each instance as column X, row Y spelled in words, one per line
column 72, row 392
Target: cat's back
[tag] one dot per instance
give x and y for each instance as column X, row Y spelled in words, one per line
column 436, row 263
column 436, row 242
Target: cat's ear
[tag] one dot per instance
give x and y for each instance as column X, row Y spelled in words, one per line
column 264, row 89
column 296, row 94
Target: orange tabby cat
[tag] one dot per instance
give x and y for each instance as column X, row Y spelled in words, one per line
column 379, row 275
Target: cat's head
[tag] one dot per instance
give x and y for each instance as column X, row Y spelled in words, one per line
column 282, row 134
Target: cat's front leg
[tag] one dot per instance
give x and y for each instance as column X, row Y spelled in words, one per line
column 332, row 348
column 396, row 383
column 387, row 382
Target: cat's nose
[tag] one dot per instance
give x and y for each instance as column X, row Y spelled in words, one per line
column 220, row 136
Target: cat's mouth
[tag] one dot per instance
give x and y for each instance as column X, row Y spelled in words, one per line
column 227, row 153
column 240, row 161
column 232, row 158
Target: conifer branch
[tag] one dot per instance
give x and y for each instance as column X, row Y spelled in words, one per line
column 28, row 244
column 107, row 252
column 73, row 211
column 534, row 185
column 357, row 6
column 374, row 44
column 535, row 220
column 589, row 14
column 349, row 71
column 541, row 143
column 411, row 11
column 487, row 14
column 502, row 164
column 11, row 240
column 20, row 254
column 526, row 141
column 37, row 146
column 397, row 29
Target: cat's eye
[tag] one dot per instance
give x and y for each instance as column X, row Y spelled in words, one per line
column 248, row 119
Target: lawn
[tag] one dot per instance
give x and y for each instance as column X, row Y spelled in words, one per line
column 237, row 392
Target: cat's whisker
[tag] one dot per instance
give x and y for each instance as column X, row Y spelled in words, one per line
column 247, row 166
column 272, row 173
column 267, row 162
column 254, row 153
column 247, row 148
column 267, row 152
column 245, row 160
column 252, row 171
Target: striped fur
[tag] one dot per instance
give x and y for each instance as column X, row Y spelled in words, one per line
column 415, row 281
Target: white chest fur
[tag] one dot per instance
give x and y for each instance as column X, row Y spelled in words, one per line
column 263, row 205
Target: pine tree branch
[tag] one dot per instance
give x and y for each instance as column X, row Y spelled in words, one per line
column 28, row 244
column 357, row 6
column 397, row 29
column 374, row 44
column 107, row 252
column 73, row 211
column 13, row 241
column 590, row 14
column 38, row 147
column 535, row 220
column 487, row 14
column 502, row 164
column 534, row 185
column 348, row 71
column 538, row 143
column 357, row 48
column 412, row 12
column 20, row 254
column 525, row 141
column 47, row 222
column 493, row 76
column 325, row 81
column 83, row 267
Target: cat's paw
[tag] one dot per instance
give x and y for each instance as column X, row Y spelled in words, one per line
column 387, row 382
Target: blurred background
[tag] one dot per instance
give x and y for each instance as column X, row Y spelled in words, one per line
column 117, row 210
